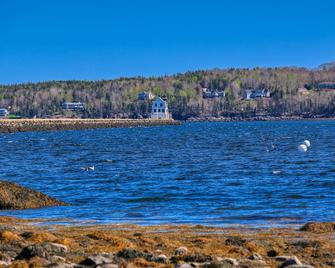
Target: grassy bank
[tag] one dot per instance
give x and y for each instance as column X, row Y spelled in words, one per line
column 23, row 125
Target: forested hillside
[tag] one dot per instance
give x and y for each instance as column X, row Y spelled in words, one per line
column 293, row 92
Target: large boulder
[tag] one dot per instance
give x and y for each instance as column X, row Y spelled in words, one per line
column 45, row 250
column 14, row 196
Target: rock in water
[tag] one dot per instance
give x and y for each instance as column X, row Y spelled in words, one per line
column 14, row 196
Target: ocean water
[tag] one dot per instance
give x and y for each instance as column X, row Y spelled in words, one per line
column 198, row 173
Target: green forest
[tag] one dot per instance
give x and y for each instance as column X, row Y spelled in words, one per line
column 294, row 91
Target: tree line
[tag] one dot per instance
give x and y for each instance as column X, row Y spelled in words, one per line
column 293, row 92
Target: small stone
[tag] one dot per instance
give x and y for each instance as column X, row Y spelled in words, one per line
column 56, row 249
column 109, row 265
column 293, row 260
column 272, row 253
column 5, row 263
column 181, row 251
column 56, row 259
column 231, row 261
column 255, row 256
column 161, row 258
column 252, row 263
column 4, row 257
column 221, row 263
column 184, row 265
column 96, row 260
column 196, row 264
column 63, row 265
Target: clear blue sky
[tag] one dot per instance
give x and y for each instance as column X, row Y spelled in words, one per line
column 99, row 39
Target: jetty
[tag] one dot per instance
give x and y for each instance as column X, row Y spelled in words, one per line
column 24, row 125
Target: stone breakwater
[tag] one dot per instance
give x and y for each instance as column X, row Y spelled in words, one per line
column 23, row 125
column 24, row 244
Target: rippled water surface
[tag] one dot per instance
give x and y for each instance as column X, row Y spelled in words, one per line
column 206, row 173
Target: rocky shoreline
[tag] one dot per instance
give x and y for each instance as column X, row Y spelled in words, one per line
column 23, row 125
column 257, row 118
column 26, row 243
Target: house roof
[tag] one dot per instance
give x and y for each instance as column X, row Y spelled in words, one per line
column 327, row 83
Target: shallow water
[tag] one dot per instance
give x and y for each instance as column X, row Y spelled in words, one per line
column 199, row 173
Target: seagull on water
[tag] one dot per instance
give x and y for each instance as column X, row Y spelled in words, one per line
column 88, row 168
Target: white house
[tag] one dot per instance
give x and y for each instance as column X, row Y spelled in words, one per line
column 73, row 106
column 145, row 95
column 256, row 94
column 160, row 109
column 3, row 112
column 212, row 93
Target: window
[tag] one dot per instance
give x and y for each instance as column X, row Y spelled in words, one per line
column 163, row 110
column 155, row 110
column 161, row 104
column 159, row 110
column 155, row 104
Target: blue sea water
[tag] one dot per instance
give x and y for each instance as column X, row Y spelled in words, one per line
column 199, row 173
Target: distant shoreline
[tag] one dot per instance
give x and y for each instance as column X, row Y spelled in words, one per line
column 25, row 125
column 256, row 119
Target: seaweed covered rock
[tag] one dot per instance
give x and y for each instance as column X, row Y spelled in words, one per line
column 14, row 196
column 319, row 227
column 44, row 250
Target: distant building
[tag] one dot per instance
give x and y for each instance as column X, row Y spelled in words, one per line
column 250, row 94
column 73, row 106
column 145, row 95
column 212, row 93
column 326, row 85
column 160, row 109
column 3, row 112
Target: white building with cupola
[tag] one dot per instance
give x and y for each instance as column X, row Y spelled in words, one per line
column 160, row 109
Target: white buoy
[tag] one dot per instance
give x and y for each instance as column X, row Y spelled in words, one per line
column 307, row 143
column 302, row 148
